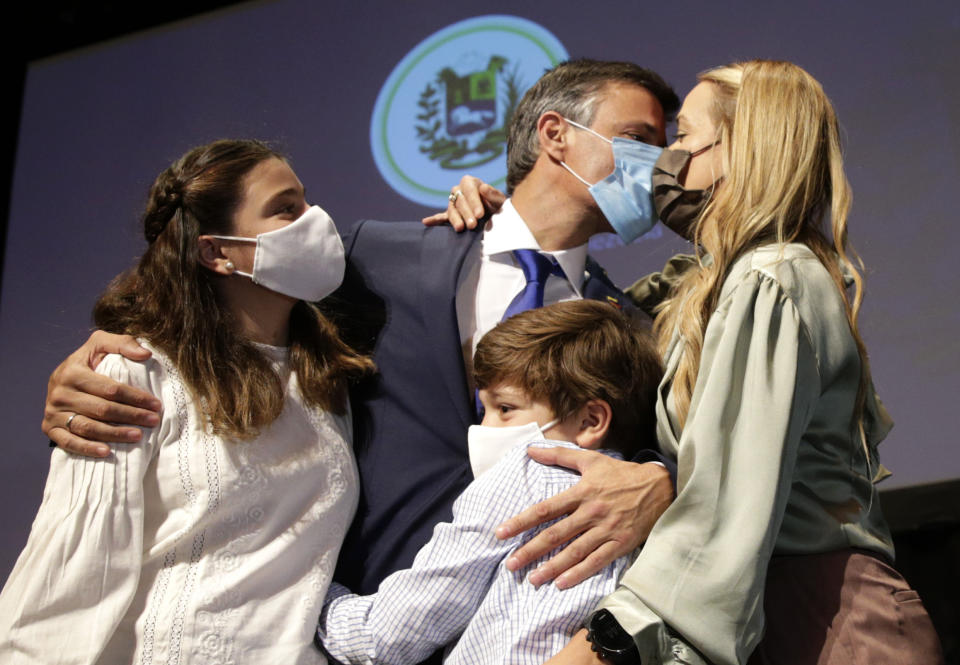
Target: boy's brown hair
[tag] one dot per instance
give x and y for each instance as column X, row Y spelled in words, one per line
column 572, row 352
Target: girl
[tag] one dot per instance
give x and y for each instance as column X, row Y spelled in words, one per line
column 215, row 540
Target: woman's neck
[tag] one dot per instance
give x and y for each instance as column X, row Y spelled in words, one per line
column 263, row 315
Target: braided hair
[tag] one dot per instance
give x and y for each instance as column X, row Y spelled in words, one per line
column 172, row 301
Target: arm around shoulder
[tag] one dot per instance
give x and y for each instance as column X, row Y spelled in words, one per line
column 98, row 408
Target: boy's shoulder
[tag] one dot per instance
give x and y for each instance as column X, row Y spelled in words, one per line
column 517, row 470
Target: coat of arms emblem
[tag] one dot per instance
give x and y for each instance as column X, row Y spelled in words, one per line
column 457, row 122
column 446, row 106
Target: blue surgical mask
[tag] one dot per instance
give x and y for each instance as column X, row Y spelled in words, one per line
column 625, row 196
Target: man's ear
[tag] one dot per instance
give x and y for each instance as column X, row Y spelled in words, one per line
column 552, row 132
column 212, row 258
column 594, row 424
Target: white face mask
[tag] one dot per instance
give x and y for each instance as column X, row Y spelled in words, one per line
column 487, row 445
column 303, row 260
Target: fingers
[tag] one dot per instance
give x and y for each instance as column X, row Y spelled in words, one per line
column 569, row 458
column 469, row 204
column 74, row 444
column 493, row 198
column 569, row 556
column 130, row 349
column 101, row 343
column 100, row 399
column 454, row 216
column 435, row 220
column 469, row 201
column 567, row 576
column 576, row 523
column 592, row 551
column 91, row 429
column 95, row 402
column 611, row 511
column 72, row 384
column 546, row 510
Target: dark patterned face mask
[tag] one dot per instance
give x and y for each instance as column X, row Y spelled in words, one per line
column 679, row 208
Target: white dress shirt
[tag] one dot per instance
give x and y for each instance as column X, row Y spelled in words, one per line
column 186, row 548
column 490, row 278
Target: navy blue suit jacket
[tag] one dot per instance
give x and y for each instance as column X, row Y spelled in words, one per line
column 398, row 302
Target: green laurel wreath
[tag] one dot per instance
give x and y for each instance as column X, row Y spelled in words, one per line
column 455, row 154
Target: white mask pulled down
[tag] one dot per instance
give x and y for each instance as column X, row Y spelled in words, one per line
column 302, row 260
column 487, row 445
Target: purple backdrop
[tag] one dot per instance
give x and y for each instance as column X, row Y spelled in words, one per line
column 98, row 124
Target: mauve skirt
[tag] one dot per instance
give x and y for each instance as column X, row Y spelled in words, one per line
column 843, row 608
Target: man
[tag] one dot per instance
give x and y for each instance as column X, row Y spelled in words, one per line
column 441, row 291
column 419, row 299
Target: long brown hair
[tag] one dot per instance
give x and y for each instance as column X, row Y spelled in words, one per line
column 169, row 299
column 783, row 175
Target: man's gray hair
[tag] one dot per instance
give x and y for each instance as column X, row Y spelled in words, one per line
column 572, row 89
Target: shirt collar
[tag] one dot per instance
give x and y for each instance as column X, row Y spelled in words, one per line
column 506, row 231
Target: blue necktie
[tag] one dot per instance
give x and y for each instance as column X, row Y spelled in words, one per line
column 536, row 269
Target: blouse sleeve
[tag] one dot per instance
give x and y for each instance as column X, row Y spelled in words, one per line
column 648, row 292
column 78, row 573
column 699, row 580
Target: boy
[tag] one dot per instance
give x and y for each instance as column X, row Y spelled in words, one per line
column 578, row 372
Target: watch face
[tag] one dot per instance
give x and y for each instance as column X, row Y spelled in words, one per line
column 609, row 634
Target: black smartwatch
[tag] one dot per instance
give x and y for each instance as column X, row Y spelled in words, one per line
column 611, row 642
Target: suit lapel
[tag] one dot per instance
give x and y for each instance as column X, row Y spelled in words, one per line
column 598, row 286
column 442, row 254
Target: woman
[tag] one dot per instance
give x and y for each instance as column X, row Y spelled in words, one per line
column 215, row 540
column 767, row 401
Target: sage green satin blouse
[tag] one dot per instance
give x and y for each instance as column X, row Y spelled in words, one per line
column 768, row 461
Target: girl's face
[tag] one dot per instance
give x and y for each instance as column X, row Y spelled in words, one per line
column 273, row 197
column 697, row 131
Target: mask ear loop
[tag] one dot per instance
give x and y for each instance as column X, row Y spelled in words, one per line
column 552, row 423
column 238, row 239
column 705, row 148
column 575, row 175
column 716, row 181
column 586, row 129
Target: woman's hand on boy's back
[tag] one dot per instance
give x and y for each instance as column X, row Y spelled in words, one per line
column 82, row 404
column 609, row 513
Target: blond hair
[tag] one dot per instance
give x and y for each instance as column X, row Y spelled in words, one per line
column 783, row 174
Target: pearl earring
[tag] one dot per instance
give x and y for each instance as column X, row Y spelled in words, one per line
column 229, row 266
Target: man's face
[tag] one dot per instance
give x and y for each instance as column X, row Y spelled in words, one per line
column 624, row 110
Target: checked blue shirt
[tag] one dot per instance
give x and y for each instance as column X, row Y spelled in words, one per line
column 459, row 586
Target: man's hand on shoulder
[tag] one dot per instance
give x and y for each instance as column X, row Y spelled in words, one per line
column 81, row 404
column 610, row 512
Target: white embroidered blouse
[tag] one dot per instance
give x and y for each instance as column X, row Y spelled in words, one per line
column 185, row 548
